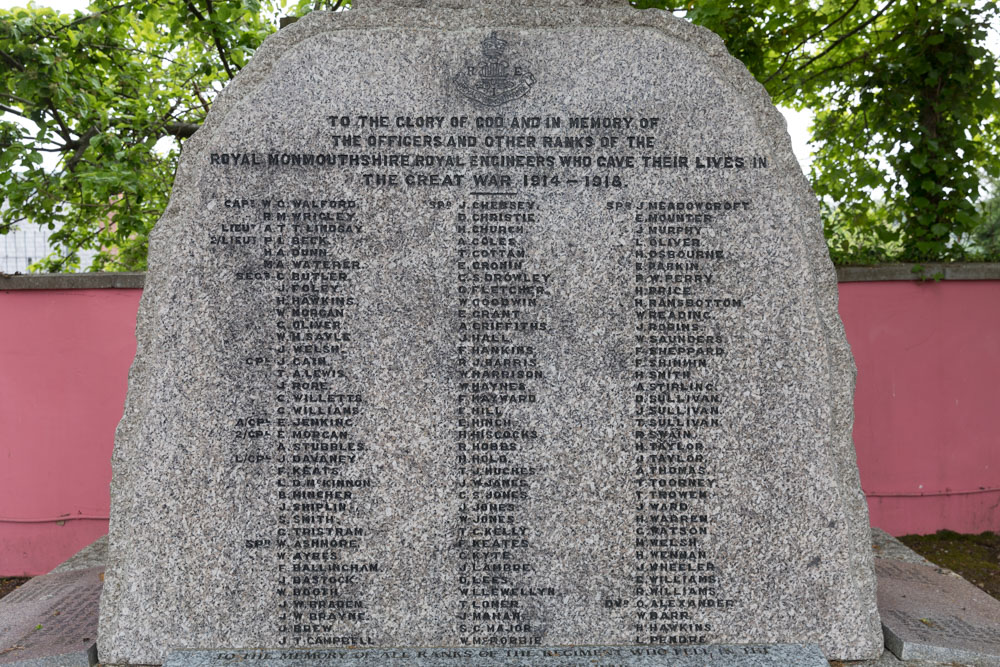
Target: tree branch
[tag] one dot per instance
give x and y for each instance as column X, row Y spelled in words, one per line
column 197, row 91
column 23, row 101
column 181, row 130
column 86, row 18
column 12, row 60
column 6, row 227
column 81, row 147
column 64, row 131
column 789, row 52
column 831, row 68
column 194, row 10
column 814, row 75
column 861, row 26
column 215, row 38
column 52, row 33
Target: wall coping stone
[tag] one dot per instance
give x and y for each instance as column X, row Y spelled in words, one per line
column 931, row 271
column 62, row 281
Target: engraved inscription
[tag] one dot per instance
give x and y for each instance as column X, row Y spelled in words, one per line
column 490, row 180
column 493, row 81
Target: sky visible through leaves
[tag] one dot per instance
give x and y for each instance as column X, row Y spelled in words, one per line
column 798, row 121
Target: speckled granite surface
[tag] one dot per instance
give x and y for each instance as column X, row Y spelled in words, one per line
column 781, row 655
column 500, row 325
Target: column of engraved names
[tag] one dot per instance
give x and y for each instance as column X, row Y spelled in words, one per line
column 238, row 240
column 320, row 577
column 677, row 402
column 499, row 295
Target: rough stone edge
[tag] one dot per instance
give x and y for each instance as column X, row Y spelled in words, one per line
column 822, row 282
column 821, row 274
column 94, row 554
column 887, row 547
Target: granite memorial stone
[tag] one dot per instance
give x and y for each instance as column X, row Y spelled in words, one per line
column 489, row 325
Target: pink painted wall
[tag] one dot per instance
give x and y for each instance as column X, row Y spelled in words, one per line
column 927, row 407
column 64, row 359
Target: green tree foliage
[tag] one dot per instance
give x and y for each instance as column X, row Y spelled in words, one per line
column 905, row 97
column 100, row 89
column 907, row 113
column 918, row 126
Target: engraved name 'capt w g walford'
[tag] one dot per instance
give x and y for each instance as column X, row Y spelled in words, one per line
column 494, row 81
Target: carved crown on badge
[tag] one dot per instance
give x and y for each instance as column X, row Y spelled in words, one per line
column 493, row 81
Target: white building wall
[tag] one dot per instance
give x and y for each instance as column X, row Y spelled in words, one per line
column 27, row 244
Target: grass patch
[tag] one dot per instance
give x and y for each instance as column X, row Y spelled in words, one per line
column 9, row 584
column 975, row 557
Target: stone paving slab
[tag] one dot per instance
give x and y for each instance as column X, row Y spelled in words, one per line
column 80, row 658
column 887, row 659
column 52, row 620
column 778, row 655
column 930, row 614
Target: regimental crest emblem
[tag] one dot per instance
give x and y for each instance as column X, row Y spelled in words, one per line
column 493, row 81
